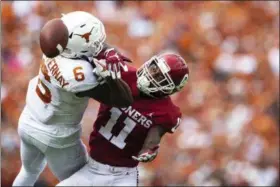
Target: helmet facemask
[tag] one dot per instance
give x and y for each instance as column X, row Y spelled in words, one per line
column 153, row 78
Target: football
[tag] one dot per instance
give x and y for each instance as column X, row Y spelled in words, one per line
column 53, row 38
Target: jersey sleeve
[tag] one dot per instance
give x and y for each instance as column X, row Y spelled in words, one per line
column 131, row 79
column 80, row 77
column 168, row 116
column 170, row 122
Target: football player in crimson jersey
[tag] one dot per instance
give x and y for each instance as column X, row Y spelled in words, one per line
column 123, row 137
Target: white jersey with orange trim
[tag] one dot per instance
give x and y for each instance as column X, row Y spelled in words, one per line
column 51, row 104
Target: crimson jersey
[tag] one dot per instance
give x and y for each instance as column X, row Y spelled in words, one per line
column 119, row 133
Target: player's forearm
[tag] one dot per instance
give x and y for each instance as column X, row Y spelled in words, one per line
column 120, row 93
column 150, row 144
column 153, row 138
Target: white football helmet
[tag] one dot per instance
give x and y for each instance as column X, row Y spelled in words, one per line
column 86, row 34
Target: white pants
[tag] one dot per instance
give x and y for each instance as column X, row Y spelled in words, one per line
column 63, row 162
column 97, row 174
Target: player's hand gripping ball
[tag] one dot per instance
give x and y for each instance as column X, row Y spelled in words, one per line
column 53, row 38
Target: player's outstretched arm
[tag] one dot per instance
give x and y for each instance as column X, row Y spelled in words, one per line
column 113, row 92
column 120, row 93
column 149, row 150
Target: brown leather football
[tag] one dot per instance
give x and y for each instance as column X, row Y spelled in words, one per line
column 53, row 38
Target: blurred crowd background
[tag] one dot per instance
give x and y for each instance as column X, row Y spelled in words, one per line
column 229, row 133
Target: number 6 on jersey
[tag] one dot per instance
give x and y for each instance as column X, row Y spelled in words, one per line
column 79, row 76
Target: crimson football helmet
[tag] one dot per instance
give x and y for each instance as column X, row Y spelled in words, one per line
column 162, row 75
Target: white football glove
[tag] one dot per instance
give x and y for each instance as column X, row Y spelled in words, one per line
column 100, row 70
column 147, row 156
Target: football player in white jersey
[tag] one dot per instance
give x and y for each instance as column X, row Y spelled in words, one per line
column 49, row 126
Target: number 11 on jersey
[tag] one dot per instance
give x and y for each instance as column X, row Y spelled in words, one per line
column 106, row 130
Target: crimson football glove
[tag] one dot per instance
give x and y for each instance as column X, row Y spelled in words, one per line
column 148, row 155
column 114, row 62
